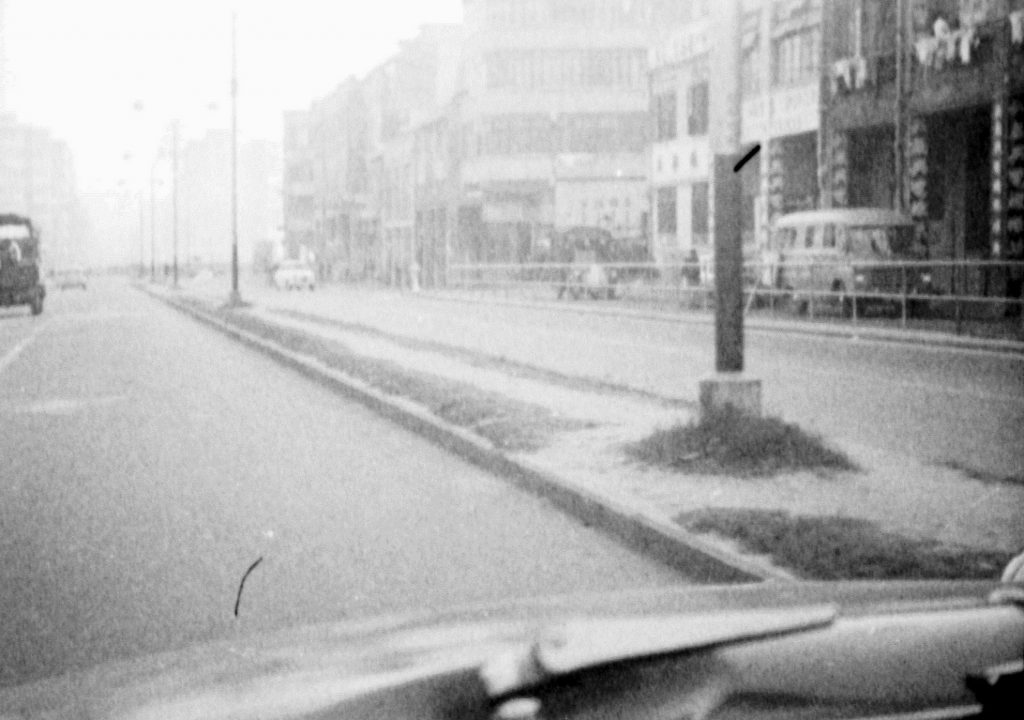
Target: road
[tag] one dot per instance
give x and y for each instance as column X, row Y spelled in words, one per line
column 147, row 462
column 940, row 405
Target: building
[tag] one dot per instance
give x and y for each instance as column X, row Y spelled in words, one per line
column 337, row 162
column 437, row 165
column 205, row 204
column 553, row 122
column 771, row 54
column 299, row 200
column 925, row 112
column 410, row 90
column 37, row 179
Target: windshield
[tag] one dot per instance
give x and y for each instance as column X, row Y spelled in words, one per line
column 544, row 336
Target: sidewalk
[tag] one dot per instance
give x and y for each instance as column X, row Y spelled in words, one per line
column 898, row 493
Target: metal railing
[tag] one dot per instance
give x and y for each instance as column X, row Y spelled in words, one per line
column 958, row 294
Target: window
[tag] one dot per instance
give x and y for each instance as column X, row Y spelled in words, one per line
column 795, row 57
column 810, row 239
column 699, row 209
column 665, row 116
column 750, row 57
column 829, row 240
column 606, row 133
column 697, row 102
column 667, row 210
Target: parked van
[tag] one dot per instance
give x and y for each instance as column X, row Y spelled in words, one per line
column 833, row 255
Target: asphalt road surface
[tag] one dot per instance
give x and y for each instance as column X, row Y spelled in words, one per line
column 939, row 405
column 146, row 462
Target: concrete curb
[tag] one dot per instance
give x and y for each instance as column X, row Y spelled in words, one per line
column 852, row 332
column 652, row 536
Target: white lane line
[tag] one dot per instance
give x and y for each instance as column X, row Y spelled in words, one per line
column 61, row 406
column 14, row 352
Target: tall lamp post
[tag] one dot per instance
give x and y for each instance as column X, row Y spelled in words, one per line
column 152, row 223
column 235, row 298
column 174, row 198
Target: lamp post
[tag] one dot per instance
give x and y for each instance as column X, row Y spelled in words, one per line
column 142, row 236
column 235, row 298
column 174, row 200
column 152, row 223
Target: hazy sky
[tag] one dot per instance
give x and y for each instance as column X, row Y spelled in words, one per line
column 79, row 66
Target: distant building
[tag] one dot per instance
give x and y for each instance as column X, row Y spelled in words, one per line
column 37, row 179
column 777, row 68
column 297, row 185
column 335, row 164
column 204, row 198
column 553, row 123
column 402, row 93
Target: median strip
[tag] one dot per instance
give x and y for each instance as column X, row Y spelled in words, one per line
column 482, row 418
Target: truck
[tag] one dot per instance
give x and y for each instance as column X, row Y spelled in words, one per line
column 20, row 279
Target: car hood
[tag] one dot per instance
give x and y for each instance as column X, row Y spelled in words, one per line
column 308, row 671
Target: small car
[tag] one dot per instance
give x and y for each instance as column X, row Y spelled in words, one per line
column 294, row 275
column 72, row 278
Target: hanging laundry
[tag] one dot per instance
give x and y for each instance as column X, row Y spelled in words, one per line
column 1017, row 26
column 951, row 45
column 860, row 71
column 925, row 48
column 968, row 39
column 842, row 70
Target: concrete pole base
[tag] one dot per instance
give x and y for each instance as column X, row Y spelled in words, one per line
column 743, row 393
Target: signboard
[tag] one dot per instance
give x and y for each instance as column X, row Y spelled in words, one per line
column 689, row 42
column 795, row 110
column 792, row 111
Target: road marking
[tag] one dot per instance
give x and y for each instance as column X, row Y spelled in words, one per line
column 14, row 352
column 61, row 406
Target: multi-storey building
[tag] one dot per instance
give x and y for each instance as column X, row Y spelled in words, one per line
column 552, row 125
column 204, row 199
column 37, row 179
column 337, row 164
column 409, row 89
column 776, row 69
column 925, row 112
column 299, row 201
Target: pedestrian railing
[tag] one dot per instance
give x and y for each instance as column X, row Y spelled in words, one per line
column 946, row 293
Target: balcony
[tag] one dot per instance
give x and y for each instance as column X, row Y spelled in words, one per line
column 959, row 71
column 863, row 90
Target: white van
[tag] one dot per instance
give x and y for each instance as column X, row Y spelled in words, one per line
column 838, row 254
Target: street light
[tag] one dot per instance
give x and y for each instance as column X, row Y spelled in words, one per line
column 235, row 298
column 174, row 128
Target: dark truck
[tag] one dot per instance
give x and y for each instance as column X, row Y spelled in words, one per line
column 20, row 282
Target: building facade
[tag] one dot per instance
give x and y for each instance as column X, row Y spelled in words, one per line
column 37, row 179
column 770, row 53
column 204, row 200
column 925, row 112
column 298, row 198
column 553, row 122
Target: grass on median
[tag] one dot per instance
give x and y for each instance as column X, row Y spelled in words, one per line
column 510, row 425
column 730, row 442
column 843, row 548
